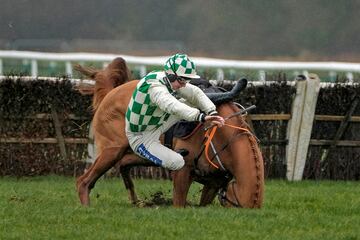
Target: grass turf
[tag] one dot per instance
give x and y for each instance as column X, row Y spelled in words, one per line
column 48, row 208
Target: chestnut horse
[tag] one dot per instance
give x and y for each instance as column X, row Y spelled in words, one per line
column 238, row 170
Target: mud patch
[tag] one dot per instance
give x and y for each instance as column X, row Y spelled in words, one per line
column 157, row 199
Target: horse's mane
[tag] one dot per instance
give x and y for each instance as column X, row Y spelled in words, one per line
column 115, row 74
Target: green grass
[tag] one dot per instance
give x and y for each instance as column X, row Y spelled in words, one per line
column 48, row 208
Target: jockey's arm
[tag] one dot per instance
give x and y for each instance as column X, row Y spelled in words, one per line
column 197, row 97
column 160, row 96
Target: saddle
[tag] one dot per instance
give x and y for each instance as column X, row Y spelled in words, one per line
column 184, row 129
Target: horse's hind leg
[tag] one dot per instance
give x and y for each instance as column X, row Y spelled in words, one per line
column 129, row 185
column 126, row 163
column 104, row 162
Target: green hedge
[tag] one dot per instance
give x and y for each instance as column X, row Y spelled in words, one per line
column 343, row 163
column 21, row 100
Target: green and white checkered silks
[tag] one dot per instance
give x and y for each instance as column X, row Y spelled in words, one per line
column 181, row 64
column 141, row 113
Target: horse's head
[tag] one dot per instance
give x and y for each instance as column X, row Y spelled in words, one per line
column 238, row 151
column 234, row 149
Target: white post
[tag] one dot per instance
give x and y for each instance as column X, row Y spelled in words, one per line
column 34, row 68
column 332, row 75
column 68, row 68
column 350, row 77
column 308, row 116
column 293, row 129
column 300, row 126
column 142, row 71
column 1, row 67
column 220, row 74
column 262, row 75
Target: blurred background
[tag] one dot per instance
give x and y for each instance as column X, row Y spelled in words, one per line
column 306, row 30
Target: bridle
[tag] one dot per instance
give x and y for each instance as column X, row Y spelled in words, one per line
column 223, row 198
column 210, row 132
column 209, row 135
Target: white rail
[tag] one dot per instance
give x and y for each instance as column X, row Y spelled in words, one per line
column 143, row 62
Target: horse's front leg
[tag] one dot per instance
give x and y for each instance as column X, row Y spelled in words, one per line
column 208, row 194
column 181, row 180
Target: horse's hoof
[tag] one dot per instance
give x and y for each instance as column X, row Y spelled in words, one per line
column 83, row 193
column 84, row 199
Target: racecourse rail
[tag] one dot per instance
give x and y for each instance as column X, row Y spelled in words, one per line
column 143, row 62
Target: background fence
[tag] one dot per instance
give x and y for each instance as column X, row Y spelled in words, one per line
column 60, row 64
column 307, row 129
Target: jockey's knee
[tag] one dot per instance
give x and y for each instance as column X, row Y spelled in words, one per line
column 176, row 163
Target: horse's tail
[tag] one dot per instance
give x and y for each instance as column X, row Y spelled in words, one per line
column 115, row 74
column 89, row 72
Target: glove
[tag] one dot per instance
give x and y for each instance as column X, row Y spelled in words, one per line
column 213, row 118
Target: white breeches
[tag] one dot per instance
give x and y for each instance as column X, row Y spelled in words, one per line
column 147, row 145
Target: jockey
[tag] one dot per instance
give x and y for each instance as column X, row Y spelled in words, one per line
column 161, row 99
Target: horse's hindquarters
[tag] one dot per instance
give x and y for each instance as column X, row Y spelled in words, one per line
column 109, row 119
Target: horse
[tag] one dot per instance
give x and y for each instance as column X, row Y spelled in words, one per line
column 237, row 177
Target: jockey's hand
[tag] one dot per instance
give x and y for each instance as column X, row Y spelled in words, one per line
column 215, row 120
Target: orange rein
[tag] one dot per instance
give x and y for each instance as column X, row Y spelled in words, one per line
column 209, row 134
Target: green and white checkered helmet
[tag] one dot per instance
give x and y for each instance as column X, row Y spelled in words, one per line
column 181, row 65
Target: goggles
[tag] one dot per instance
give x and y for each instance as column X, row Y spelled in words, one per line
column 183, row 79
